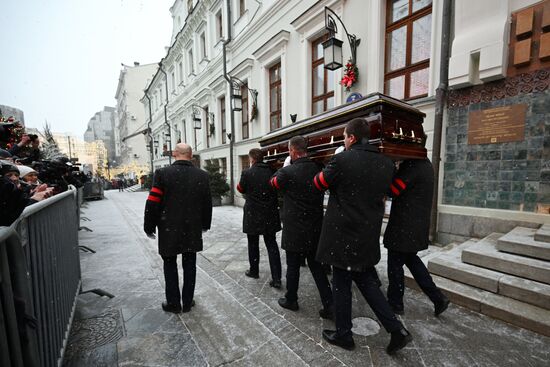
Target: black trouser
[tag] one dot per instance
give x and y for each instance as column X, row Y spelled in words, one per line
column 272, row 252
column 189, row 260
column 367, row 282
column 293, row 261
column 396, row 278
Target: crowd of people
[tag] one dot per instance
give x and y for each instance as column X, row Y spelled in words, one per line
column 345, row 237
column 27, row 178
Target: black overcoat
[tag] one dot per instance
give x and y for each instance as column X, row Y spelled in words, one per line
column 358, row 180
column 180, row 206
column 302, row 205
column 261, row 213
column 412, row 194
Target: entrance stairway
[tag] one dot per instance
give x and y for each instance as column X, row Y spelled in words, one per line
column 505, row 276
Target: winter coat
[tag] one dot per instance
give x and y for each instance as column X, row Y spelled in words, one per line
column 261, row 213
column 412, row 194
column 12, row 202
column 302, row 206
column 358, row 180
column 180, row 206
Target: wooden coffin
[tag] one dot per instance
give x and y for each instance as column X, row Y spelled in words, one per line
column 395, row 127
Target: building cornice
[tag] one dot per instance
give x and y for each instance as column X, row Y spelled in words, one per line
column 254, row 28
column 275, row 43
column 244, row 67
column 315, row 15
column 314, row 11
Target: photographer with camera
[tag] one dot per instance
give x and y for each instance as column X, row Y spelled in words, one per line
column 13, row 199
column 27, row 150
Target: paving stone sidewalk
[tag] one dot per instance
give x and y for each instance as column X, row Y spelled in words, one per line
column 237, row 321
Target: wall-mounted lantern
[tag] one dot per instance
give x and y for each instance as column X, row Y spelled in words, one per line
column 332, row 48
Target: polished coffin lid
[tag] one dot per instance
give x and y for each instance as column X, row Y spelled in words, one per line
column 395, row 127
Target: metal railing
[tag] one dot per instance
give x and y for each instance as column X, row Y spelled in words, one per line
column 39, row 282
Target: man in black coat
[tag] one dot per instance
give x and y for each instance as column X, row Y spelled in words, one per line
column 408, row 232
column 302, row 221
column 261, row 216
column 358, row 179
column 180, row 206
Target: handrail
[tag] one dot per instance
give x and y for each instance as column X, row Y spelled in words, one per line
column 40, row 278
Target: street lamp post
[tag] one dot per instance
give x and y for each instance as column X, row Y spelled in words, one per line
column 332, row 48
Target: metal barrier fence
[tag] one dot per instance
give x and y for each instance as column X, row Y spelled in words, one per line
column 39, row 282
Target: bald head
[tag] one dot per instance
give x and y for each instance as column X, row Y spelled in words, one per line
column 183, row 152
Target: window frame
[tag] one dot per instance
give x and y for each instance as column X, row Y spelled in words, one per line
column 202, row 45
column 409, row 68
column 222, row 120
column 190, row 60
column 325, row 96
column 245, row 123
column 219, row 25
column 245, row 162
column 242, row 7
column 278, row 85
column 206, row 111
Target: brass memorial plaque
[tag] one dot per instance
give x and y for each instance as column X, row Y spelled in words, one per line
column 497, row 125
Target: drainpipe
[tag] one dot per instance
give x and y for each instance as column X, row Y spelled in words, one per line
column 165, row 113
column 232, row 117
column 150, row 132
column 440, row 100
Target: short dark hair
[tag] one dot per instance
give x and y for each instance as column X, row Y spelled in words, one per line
column 256, row 154
column 359, row 128
column 299, row 143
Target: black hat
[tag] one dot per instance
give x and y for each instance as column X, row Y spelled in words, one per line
column 8, row 166
column 4, row 154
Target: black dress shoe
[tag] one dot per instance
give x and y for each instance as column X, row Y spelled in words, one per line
column 399, row 339
column 346, row 343
column 251, row 274
column 440, row 307
column 188, row 308
column 275, row 284
column 168, row 307
column 326, row 313
column 289, row 305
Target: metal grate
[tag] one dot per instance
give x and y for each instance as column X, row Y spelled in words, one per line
column 94, row 332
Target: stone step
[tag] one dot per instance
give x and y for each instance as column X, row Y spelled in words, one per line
column 521, row 241
column 438, row 251
column 451, row 267
column 485, row 254
column 497, row 306
column 543, row 233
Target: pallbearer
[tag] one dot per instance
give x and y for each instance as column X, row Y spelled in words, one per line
column 180, row 206
column 408, row 232
column 261, row 216
column 358, row 179
column 302, row 221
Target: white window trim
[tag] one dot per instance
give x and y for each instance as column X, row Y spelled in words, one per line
column 269, row 54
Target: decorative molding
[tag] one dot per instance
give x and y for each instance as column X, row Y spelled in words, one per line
column 315, row 14
column 244, row 67
column 214, row 5
column 274, row 45
column 533, row 82
column 217, row 84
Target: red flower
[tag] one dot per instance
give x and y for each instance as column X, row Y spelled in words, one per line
column 350, row 76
